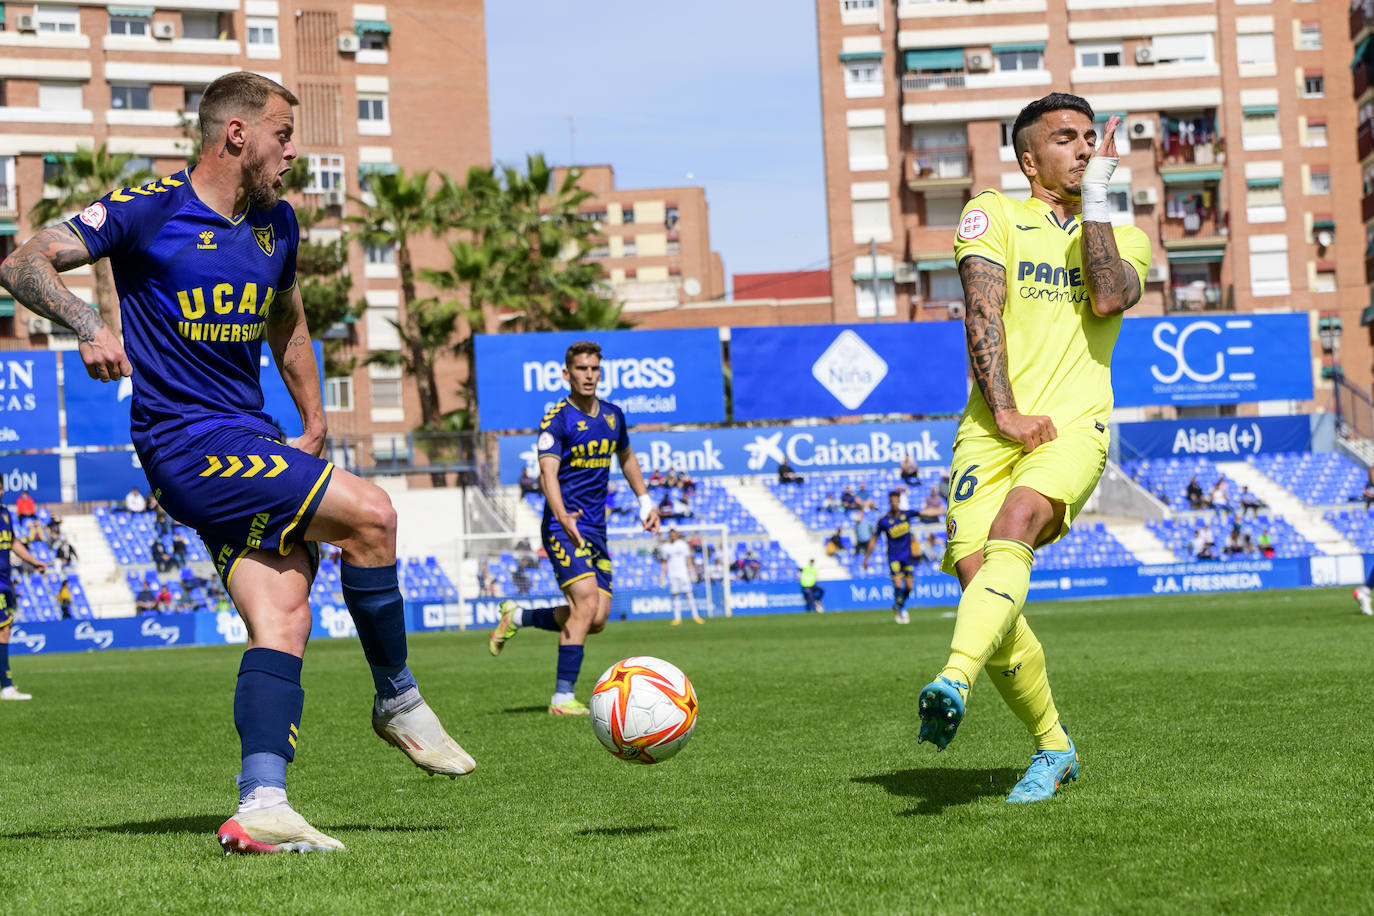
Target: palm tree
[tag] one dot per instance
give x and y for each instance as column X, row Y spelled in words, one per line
column 404, row 208
column 86, row 176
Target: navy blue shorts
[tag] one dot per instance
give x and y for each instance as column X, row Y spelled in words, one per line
column 900, row 568
column 240, row 490
column 572, row 564
column 7, row 607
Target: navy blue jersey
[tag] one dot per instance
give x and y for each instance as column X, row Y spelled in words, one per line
column 584, row 445
column 195, row 290
column 6, row 542
column 897, row 528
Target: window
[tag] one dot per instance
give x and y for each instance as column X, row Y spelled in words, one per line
column 1325, row 282
column 850, row 6
column 338, row 393
column 1269, row 266
column 627, row 215
column 886, row 302
column 373, row 41
column 672, row 246
column 1319, row 182
column 386, row 394
column 53, row 166
column 372, row 108
column 872, row 220
column 135, row 164
column 1260, row 128
column 59, row 20
column 124, row 24
column 261, row 31
column 863, row 78
column 631, row 248
column 867, row 148
column 1316, row 134
column 1187, row 49
column 1313, row 86
column 944, row 285
column 1310, row 36
column 670, row 217
column 199, row 24
column 191, row 98
column 1119, row 200
column 1264, row 193
column 1098, row 54
column 1019, row 60
column 326, row 173
column 380, row 254
column 595, row 216
column 130, row 97
column 599, row 251
column 1255, row 49
column 943, row 211
column 60, row 96
column 381, row 335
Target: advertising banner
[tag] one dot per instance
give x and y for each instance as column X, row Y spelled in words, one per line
column 1221, row 438
column 654, row 376
column 759, row 450
column 835, row 370
column 39, row 475
column 107, row 476
column 28, row 400
column 1212, row 360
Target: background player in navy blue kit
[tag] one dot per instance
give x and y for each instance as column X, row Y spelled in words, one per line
column 8, row 542
column 205, row 266
column 896, row 527
column 576, row 441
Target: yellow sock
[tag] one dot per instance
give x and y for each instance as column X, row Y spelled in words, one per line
column 1018, row 670
column 989, row 607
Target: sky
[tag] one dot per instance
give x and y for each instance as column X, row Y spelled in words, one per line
column 722, row 91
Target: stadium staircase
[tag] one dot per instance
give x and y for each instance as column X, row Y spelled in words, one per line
column 1139, row 540
column 783, row 526
column 1305, row 521
column 101, row 576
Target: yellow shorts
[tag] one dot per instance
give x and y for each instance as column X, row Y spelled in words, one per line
column 986, row 468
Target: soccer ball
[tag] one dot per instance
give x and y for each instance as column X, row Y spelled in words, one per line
column 643, row 709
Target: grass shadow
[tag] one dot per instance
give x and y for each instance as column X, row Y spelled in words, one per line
column 635, row 830
column 938, row 788
column 195, row 824
column 525, row 709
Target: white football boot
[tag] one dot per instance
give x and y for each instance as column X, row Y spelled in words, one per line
column 12, row 693
column 266, row 823
column 416, row 730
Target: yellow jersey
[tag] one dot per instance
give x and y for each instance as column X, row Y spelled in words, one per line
column 1059, row 353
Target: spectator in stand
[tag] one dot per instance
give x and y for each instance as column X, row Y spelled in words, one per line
column 1196, row 500
column 848, row 501
column 179, row 549
column 521, row 579
column 1220, row 497
column 831, row 504
column 528, row 482
column 834, row 544
column 1237, row 542
column 187, row 602
column 1249, row 502
column 1266, row 544
column 162, row 523
column 134, row 501
column 787, row 475
column 162, row 557
column 655, row 479
column 750, row 566
column 682, row 507
column 863, row 532
column 672, row 479
column 811, row 592
column 665, row 506
column 911, row 474
column 689, row 486
column 865, row 498
column 929, row 553
column 716, row 569
column 1204, row 545
column 146, row 600
column 934, row 507
column 64, row 554
column 151, row 504
column 944, row 487
column 54, row 532
column 25, row 507
column 64, row 600
column 164, row 599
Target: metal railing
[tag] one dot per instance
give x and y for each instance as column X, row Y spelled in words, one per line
column 1201, row 224
column 923, row 81
column 938, row 162
column 1200, row 297
column 1354, row 409
column 1168, row 153
column 9, row 199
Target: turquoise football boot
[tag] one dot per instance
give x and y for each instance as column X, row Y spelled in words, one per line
column 942, row 709
column 1047, row 772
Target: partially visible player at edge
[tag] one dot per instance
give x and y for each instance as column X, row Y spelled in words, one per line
column 576, row 441
column 8, row 542
column 205, row 265
column 1045, row 281
column 895, row 525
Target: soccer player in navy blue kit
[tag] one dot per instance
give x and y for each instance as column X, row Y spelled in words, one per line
column 205, row 266
column 577, row 438
column 896, row 527
column 8, row 542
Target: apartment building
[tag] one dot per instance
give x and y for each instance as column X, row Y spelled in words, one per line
column 381, row 87
column 1236, row 149
column 657, row 245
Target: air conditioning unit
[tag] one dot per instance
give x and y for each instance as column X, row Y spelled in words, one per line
column 955, row 309
column 1140, row 128
column 39, row 325
column 904, row 273
column 978, row 62
column 334, row 198
column 26, row 22
column 1145, row 54
column 1157, row 273
column 349, row 44
column 1325, row 237
column 164, row 30
column 1145, row 197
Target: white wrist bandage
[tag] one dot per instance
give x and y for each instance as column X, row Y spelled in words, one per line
column 646, row 505
column 1095, row 179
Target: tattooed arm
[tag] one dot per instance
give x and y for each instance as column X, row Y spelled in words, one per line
column 30, row 274
column 289, row 338
column 1112, row 283
column 985, row 293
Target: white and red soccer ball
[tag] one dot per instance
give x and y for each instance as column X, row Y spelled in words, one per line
column 643, row 709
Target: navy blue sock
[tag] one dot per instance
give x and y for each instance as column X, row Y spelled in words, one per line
column 542, row 619
column 901, row 596
column 268, row 700
column 5, row 664
column 373, row 597
column 1369, row 579
column 569, row 666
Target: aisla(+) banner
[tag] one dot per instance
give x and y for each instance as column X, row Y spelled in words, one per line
column 654, row 376
column 1223, row 438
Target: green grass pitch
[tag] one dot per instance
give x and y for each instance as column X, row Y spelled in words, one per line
column 1227, row 747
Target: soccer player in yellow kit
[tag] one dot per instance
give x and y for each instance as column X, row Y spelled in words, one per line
column 1045, row 283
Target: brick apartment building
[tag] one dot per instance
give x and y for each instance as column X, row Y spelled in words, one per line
column 381, row 87
column 1238, row 157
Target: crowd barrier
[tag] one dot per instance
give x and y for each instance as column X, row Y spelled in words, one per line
column 874, row 593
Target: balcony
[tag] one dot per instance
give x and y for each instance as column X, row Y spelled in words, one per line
column 939, row 167
column 1172, row 154
column 1362, row 73
column 1357, row 19
column 921, row 82
column 1367, row 207
column 1200, row 297
column 1199, row 229
column 1364, row 140
column 9, row 200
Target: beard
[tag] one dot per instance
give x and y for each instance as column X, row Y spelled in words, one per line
column 261, row 193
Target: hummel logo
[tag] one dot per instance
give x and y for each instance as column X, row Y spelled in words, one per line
column 1019, row 226
column 206, row 240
